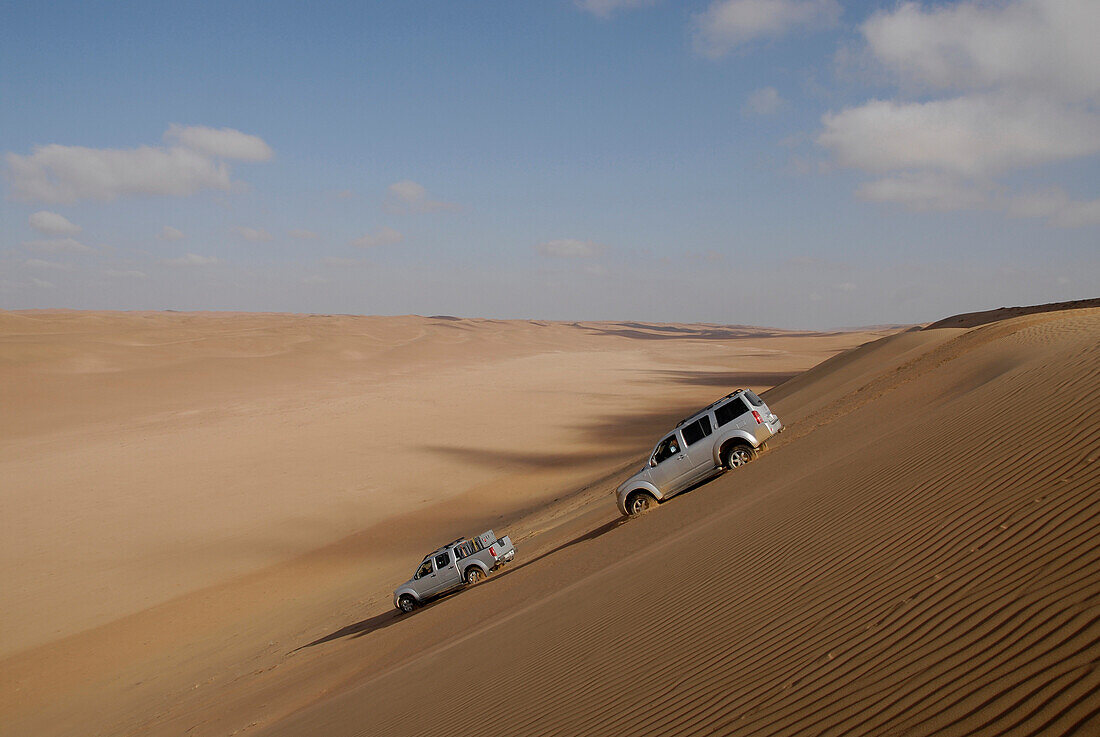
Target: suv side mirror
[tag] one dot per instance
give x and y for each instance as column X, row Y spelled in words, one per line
column 653, row 463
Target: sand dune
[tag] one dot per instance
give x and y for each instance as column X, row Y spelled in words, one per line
column 190, row 497
column 920, row 554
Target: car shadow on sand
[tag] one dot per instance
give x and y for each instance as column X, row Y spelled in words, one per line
column 392, row 617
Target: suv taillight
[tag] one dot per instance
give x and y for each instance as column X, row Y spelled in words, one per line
column 757, row 416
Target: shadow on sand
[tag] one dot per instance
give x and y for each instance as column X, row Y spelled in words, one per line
column 392, row 617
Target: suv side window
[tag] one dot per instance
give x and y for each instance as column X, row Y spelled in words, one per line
column 424, row 569
column 730, row 411
column 696, row 431
column 442, row 561
column 666, row 449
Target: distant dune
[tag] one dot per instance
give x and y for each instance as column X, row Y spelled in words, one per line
column 974, row 319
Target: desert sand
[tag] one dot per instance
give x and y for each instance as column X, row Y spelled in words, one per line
column 918, row 552
column 191, row 498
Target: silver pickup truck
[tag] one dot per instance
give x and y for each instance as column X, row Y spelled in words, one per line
column 460, row 563
column 721, row 436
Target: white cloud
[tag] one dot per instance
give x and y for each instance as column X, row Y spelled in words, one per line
column 124, row 273
column 191, row 259
column 302, row 234
column 42, row 283
column 343, row 194
column 58, row 173
column 408, row 196
column 924, row 191
column 727, row 24
column 1024, row 76
column 224, row 143
column 168, row 233
column 973, row 136
column 1057, row 207
column 1046, row 47
column 604, row 8
column 569, row 248
column 57, row 245
column 340, row 261
column 51, row 223
column 764, row 101
column 385, row 237
column 36, row 263
column 254, row 235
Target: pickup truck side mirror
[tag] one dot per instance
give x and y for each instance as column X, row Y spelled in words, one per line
column 653, row 463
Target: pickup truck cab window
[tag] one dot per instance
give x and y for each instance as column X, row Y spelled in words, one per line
column 442, row 561
column 425, row 569
column 666, row 449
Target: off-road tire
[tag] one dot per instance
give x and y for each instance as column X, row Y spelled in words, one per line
column 406, row 603
column 474, row 575
column 639, row 502
column 738, row 455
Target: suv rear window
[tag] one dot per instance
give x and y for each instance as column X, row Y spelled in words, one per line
column 730, row 411
column 697, row 430
column 757, row 401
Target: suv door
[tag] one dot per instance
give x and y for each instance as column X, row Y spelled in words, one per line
column 700, row 454
column 669, row 466
column 446, row 572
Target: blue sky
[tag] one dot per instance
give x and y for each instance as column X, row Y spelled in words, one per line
column 801, row 163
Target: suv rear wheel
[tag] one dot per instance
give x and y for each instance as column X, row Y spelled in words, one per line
column 738, row 455
column 639, row 502
column 474, row 575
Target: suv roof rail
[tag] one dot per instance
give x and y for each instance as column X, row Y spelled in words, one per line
column 712, row 404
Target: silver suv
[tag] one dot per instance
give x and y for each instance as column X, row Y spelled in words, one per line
column 719, row 437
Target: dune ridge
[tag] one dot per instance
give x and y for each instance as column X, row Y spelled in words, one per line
column 919, row 554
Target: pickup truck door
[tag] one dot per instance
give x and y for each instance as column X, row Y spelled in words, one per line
column 446, row 572
column 669, row 465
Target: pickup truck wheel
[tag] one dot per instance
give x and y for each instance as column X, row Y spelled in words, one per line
column 738, row 455
column 474, row 575
column 406, row 603
column 639, row 502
